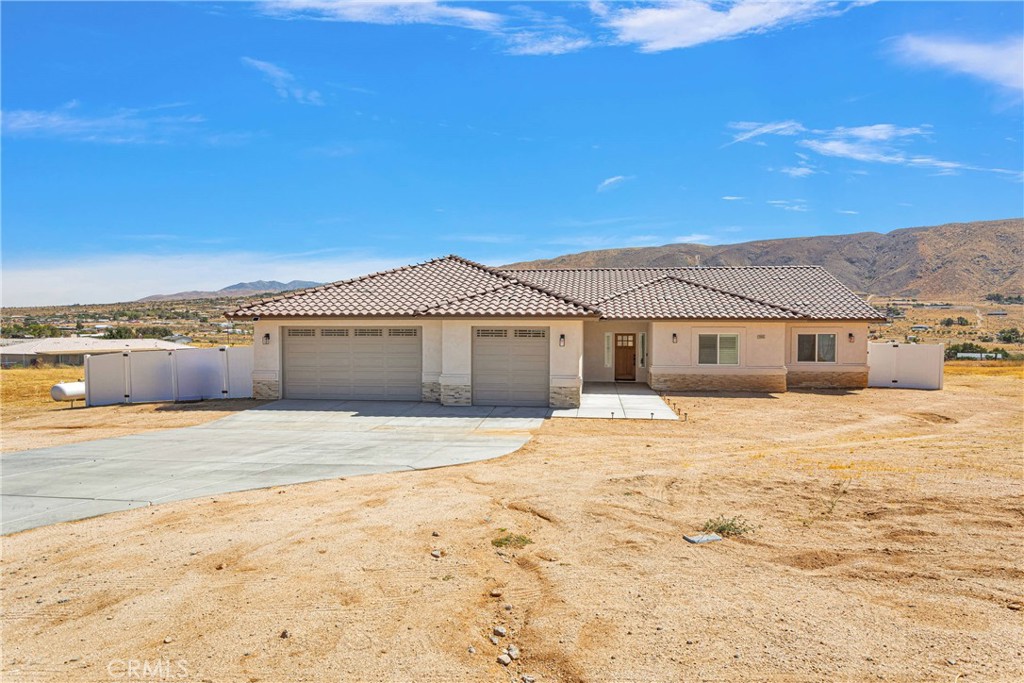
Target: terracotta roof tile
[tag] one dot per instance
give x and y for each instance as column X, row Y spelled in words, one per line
column 453, row 286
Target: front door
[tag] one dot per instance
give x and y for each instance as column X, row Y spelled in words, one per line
column 625, row 357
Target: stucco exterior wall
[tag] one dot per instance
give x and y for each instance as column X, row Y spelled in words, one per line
column 594, row 331
column 447, row 353
column 849, row 371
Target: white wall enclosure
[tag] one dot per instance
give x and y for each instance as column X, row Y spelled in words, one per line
column 179, row 375
column 906, row 366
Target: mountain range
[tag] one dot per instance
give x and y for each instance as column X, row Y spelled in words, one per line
column 241, row 289
column 954, row 261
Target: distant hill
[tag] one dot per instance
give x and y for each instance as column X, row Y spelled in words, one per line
column 240, row 289
column 952, row 261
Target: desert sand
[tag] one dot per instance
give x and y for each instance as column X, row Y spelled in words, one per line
column 888, row 546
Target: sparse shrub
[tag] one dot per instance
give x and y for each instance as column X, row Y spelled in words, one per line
column 727, row 526
column 512, row 541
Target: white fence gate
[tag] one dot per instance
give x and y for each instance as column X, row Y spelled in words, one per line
column 905, row 366
column 178, row 375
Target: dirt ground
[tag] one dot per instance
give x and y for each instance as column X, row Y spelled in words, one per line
column 29, row 418
column 889, row 545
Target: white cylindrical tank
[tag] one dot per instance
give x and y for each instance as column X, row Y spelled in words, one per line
column 68, row 391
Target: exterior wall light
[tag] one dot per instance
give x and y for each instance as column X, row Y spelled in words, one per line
column 675, row 338
column 266, row 338
column 850, row 337
column 561, row 340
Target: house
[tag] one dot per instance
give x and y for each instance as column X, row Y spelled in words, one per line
column 72, row 350
column 920, row 328
column 460, row 333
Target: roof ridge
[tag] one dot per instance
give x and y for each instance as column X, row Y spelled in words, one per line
column 335, row 284
column 538, row 288
column 665, row 268
column 741, row 296
column 629, row 290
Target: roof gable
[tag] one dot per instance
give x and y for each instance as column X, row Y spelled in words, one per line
column 446, row 286
column 671, row 297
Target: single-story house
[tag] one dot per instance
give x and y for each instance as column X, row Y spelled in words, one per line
column 460, row 333
column 72, row 350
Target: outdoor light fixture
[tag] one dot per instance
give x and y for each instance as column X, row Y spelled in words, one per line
column 850, row 337
column 561, row 340
column 266, row 338
column 675, row 338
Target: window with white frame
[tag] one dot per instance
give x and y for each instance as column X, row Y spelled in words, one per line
column 718, row 349
column 816, row 348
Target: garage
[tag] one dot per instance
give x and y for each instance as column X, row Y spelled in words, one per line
column 510, row 366
column 368, row 363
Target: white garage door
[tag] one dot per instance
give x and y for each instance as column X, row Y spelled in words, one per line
column 373, row 363
column 510, row 366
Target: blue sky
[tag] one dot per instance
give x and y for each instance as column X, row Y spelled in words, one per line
column 166, row 146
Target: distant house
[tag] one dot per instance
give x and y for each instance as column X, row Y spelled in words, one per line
column 459, row 333
column 920, row 328
column 178, row 339
column 996, row 313
column 72, row 350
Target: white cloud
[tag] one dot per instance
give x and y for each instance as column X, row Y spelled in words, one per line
column 539, row 43
column 797, row 171
column 995, row 62
column 731, row 198
column 284, row 82
column 799, row 205
column 382, row 12
column 127, row 277
column 124, row 126
column 751, row 129
column 692, row 238
column 848, row 212
column 613, row 182
column 686, row 23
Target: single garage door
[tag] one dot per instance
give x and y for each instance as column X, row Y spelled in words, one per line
column 510, row 366
column 372, row 363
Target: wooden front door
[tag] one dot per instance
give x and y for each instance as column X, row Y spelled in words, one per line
column 625, row 357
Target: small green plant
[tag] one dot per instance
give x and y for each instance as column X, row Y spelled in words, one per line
column 511, row 541
column 727, row 526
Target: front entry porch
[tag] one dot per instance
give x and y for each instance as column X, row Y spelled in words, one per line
column 609, row 400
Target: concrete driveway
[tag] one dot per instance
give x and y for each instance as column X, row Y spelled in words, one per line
column 285, row 442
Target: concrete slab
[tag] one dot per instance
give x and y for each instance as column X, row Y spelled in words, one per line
column 619, row 400
column 283, row 442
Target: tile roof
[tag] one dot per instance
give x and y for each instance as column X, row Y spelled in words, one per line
column 453, row 286
column 675, row 298
column 445, row 286
column 808, row 290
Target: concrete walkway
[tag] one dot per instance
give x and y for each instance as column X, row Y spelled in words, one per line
column 284, row 442
column 619, row 400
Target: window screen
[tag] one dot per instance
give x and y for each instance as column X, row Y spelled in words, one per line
column 718, row 349
column 826, row 348
column 707, row 353
column 805, row 349
column 816, row 348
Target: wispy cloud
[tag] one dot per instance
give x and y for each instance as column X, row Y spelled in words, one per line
column 880, row 143
column 748, row 130
column 152, row 125
column 732, row 198
column 799, row 205
column 284, row 82
column 686, row 23
column 996, row 62
column 848, row 212
column 374, row 12
column 692, row 238
column 541, row 43
column 612, row 183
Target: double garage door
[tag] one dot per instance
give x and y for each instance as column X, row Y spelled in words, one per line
column 371, row 363
column 510, row 366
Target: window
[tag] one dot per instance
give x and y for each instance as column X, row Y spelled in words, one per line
column 718, row 349
column 643, row 349
column 816, row 348
column 608, row 352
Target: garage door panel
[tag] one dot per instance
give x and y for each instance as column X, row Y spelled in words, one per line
column 510, row 366
column 353, row 363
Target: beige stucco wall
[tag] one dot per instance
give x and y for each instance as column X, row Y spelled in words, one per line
column 594, row 369
column 761, row 345
column 849, row 355
column 447, row 347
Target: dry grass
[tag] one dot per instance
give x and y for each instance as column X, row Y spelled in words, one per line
column 985, row 368
column 30, row 387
